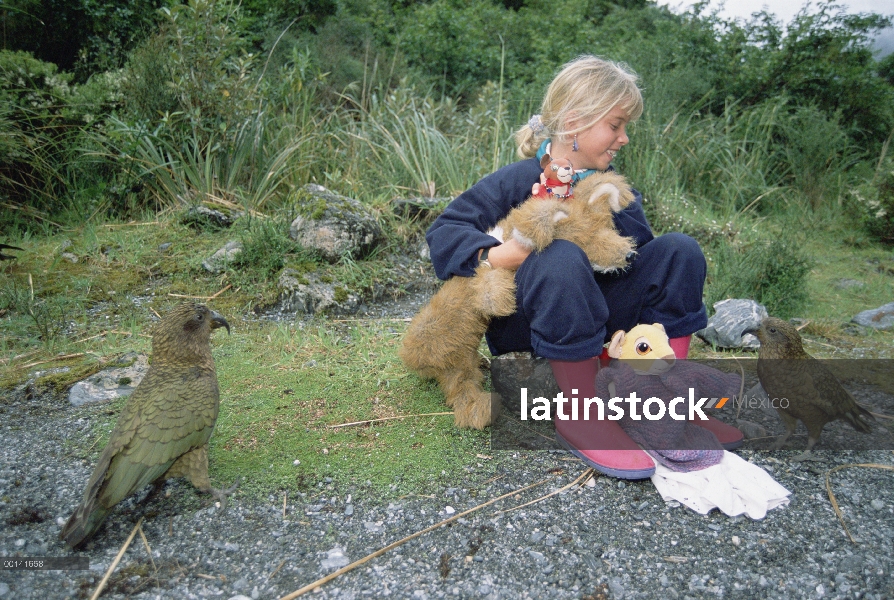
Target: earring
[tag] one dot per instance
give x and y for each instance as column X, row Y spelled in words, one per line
column 574, row 146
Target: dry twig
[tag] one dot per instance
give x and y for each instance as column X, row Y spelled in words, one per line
column 212, row 297
column 382, row 551
column 580, row 480
column 832, row 496
column 367, row 422
column 111, row 569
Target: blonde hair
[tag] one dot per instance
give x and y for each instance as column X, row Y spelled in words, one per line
column 587, row 89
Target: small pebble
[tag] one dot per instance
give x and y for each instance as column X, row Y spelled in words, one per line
column 877, row 504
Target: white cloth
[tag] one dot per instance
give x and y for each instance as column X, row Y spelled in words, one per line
column 734, row 485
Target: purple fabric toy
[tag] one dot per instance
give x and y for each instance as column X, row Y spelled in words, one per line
column 680, row 445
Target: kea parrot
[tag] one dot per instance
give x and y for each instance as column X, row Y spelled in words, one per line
column 803, row 388
column 163, row 430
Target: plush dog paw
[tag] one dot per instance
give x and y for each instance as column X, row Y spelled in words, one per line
column 494, row 291
column 477, row 411
column 533, row 224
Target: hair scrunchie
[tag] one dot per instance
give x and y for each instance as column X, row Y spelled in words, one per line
column 536, row 124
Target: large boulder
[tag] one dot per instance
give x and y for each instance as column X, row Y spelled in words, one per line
column 732, row 317
column 119, row 380
column 331, row 224
column 877, row 318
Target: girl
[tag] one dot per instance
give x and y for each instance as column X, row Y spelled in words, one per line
column 566, row 312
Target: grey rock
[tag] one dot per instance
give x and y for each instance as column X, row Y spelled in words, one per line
column 4, row 589
column 112, row 383
column 731, row 317
column 423, row 250
column 877, row 504
column 331, row 224
column 851, row 564
column 218, row 261
column 308, row 294
column 616, row 586
column 69, row 257
column 335, row 559
column 165, row 247
column 240, row 584
column 878, row 318
column 199, row 216
column 349, row 510
column 846, row 284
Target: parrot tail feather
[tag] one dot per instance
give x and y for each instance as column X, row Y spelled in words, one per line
column 83, row 524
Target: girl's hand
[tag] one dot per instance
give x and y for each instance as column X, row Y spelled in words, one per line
column 508, row 255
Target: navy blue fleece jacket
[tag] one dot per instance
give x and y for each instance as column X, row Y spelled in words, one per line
column 461, row 230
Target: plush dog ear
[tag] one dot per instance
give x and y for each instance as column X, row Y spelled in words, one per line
column 614, row 347
column 613, row 193
column 545, row 161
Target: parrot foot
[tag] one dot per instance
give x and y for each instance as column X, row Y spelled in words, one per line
column 222, row 494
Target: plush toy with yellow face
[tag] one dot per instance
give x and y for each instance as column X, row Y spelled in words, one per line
column 645, row 348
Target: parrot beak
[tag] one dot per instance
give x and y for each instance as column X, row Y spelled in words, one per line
column 217, row 320
column 755, row 331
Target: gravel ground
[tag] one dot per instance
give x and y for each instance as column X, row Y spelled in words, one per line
column 612, row 539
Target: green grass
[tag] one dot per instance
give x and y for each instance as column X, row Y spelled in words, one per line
column 283, row 389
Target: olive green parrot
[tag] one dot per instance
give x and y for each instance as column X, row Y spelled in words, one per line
column 810, row 391
column 163, row 430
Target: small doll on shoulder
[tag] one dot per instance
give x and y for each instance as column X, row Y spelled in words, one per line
column 557, row 179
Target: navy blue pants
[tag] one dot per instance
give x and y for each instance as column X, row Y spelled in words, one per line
column 566, row 312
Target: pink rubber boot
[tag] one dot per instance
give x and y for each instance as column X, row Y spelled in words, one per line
column 602, row 445
column 728, row 436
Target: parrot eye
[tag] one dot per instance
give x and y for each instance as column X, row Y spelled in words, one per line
column 643, row 348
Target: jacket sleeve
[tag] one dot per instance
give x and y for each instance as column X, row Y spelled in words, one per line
column 461, row 230
column 632, row 221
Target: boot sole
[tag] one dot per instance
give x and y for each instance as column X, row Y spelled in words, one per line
column 617, row 473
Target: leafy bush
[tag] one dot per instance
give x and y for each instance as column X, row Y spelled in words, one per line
column 196, row 73
column 821, row 58
column 772, row 272
column 875, row 202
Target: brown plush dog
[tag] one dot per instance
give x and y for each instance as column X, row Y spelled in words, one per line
column 443, row 338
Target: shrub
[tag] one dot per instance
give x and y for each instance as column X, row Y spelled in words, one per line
column 772, row 272
column 875, row 202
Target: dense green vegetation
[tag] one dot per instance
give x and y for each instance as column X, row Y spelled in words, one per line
column 155, row 105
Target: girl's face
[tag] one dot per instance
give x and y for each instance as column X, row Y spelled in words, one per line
column 598, row 145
